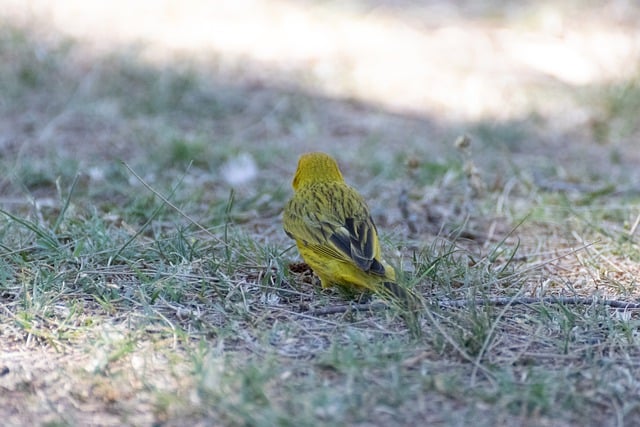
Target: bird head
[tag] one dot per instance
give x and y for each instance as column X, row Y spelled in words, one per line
column 316, row 167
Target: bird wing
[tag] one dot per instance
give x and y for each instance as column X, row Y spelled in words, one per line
column 334, row 220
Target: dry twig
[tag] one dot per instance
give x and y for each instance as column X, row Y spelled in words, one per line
column 500, row 301
column 547, row 300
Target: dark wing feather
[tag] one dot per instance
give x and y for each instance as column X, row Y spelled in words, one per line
column 344, row 229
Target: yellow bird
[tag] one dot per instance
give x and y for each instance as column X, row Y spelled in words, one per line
column 333, row 229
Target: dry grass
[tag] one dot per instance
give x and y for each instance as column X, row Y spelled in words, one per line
column 120, row 308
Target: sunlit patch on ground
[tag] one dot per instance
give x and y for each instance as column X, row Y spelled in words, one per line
column 432, row 58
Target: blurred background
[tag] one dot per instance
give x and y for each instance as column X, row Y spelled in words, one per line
column 242, row 87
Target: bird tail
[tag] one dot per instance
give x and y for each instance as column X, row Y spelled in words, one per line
column 405, row 297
